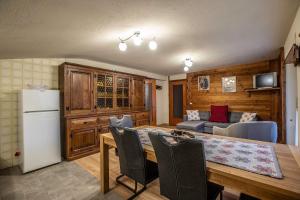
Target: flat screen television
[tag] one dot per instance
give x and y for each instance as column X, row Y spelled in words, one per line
column 267, row 80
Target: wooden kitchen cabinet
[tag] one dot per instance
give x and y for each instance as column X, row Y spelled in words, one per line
column 78, row 91
column 83, row 141
column 138, row 93
column 89, row 96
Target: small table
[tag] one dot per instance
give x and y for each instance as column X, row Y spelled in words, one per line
column 256, row 185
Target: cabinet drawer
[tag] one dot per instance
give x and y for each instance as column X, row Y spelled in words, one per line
column 141, row 115
column 142, row 122
column 104, row 120
column 83, row 122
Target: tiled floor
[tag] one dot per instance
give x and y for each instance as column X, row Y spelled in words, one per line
column 63, row 181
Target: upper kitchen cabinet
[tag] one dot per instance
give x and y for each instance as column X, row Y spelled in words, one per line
column 138, row 93
column 105, row 90
column 78, row 90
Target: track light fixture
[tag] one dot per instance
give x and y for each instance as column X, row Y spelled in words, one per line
column 137, row 40
column 188, row 63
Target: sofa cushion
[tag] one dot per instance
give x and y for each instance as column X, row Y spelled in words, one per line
column 218, row 124
column 204, row 115
column 191, row 125
column 248, row 117
column 193, row 115
column 235, row 117
column 219, row 114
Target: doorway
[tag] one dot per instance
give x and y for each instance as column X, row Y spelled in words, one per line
column 177, row 101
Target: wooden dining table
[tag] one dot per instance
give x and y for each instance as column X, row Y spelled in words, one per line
column 253, row 184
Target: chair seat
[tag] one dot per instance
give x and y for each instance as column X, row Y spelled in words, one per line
column 213, row 190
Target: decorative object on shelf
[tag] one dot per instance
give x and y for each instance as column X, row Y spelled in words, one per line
column 229, row 84
column 188, row 63
column 293, row 56
column 137, row 40
column 203, row 83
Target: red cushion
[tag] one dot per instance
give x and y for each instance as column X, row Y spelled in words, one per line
column 219, row 114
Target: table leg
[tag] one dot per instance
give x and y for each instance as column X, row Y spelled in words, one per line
column 104, row 166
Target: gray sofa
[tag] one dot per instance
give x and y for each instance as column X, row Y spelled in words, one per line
column 204, row 125
column 262, row 130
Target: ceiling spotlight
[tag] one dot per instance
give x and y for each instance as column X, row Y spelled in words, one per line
column 153, row 45
column 186, row 69
column 188, row 62
column 122, row 46
column 137, row 40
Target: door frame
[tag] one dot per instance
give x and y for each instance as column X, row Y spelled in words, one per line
column 183, row 82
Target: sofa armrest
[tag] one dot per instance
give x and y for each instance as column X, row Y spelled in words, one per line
column 220, row 131
column 185, row 118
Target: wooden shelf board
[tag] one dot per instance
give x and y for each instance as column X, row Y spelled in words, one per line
column 261, row 89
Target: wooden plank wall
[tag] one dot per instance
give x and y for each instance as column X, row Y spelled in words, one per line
column 267, row 104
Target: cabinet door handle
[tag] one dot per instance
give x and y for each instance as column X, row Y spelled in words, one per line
column 67, row 108
column 85, row 122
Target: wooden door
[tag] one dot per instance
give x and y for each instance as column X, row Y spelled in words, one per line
column 79, row 93
column 83, row 140
column 137, row 93
column 177, row 101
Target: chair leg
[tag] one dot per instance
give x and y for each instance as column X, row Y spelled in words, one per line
column 136, row 193
column 221, row 195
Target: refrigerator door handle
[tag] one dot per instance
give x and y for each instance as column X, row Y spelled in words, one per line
column 41, row 111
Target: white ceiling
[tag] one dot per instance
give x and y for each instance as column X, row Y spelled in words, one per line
column 212, row 32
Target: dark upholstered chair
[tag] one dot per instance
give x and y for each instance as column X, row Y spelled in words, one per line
column 182, row 169
column 133, row 163
column 125, row 121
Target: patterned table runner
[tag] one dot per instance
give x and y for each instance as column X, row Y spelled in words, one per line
column 252, row 157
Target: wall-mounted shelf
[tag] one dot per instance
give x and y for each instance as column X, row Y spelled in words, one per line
column 249, row 90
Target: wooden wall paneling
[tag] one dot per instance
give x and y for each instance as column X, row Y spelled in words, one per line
column 267, row 104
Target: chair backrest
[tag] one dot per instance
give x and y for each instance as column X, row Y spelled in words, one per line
column 258, row 130
column 124, row 122
column 131, row 153
column 182, row 167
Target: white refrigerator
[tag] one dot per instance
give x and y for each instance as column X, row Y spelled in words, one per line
column 39, row 128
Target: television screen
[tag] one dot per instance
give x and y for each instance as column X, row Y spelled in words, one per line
column 265, row 80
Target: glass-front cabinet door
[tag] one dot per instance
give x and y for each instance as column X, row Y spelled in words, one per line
column 122, row 92
column 105, row 91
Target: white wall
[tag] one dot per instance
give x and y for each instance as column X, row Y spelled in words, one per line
column 162, row 102
column 291, row 103
column 177, row 77
column 293, row 85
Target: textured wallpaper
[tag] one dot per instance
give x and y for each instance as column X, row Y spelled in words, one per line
column 16, row 74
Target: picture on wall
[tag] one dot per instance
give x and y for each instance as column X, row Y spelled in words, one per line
column 203, row 83
column 229, row 84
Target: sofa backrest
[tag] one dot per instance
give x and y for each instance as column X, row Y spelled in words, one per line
column 204, row 115
column 233, row 117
